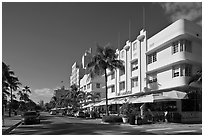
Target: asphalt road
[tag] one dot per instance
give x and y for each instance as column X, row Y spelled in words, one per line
column 59, row 125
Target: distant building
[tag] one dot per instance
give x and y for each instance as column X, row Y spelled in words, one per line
column 58, row 93
column 78, row 69
column 41, row 103
column 83, row 81
column 95, row 86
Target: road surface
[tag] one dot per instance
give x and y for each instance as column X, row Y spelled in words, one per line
column 59, row 125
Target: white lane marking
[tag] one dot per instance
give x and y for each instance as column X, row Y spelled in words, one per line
column 156, row 129
column 137, row 127
column 184, row 131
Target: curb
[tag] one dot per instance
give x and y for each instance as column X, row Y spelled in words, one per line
column 11, row 128
column 115, row 123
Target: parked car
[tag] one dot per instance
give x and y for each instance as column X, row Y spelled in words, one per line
column 30, row 117
column 79, row 114
column 70, row 113
column 53, row 112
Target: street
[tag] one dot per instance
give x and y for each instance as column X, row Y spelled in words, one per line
column 59, row 125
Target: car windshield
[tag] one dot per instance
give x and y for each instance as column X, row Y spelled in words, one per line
column 30, row 113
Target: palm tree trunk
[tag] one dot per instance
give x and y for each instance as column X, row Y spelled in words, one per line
column 10, row 103
column 107, row 113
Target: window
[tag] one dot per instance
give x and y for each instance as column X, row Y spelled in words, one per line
column 149, row 59
column 183, row 45
column 113, row 75
column 85, row 87
column 134, row 82
column 88, row 86
column 175, row 71
column 186, row 70
column 175, row 47
column 122, row 54
column 97, row 85
column 134, row 46
column 121, row 72
column 122, row 85
column 134, row 65
column 112, row 89
column 152, row 58
column 152, row 78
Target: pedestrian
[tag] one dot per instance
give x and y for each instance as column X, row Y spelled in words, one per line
column 142, row 110
column 165, row 116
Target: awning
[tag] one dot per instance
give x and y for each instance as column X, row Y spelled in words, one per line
column 54, row 109
column 142, row 99
column 122, row 100
column 112, row 101
column 103, row 102
column 170, row 96
column 89, row 105
column 164, row 96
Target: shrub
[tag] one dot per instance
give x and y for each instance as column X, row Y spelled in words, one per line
column 112, row 119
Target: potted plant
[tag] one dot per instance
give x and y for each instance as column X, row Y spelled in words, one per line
column 125, row 112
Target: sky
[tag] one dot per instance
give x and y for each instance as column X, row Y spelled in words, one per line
column 42, row 40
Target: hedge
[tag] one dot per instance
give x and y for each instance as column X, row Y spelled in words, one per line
column 112, row 119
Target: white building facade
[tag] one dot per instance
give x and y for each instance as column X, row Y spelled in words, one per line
column 159, row 64
column 78, row 69
column 164, row 61
column 94, row 86
column 80, row 78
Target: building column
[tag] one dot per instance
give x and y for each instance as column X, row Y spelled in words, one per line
column 127, row 47
column 179, row 106
column 140, row 38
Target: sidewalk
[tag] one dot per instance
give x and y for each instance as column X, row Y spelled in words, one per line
column 10, row 123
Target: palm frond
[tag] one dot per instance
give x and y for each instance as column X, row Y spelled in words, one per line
column 196, row 78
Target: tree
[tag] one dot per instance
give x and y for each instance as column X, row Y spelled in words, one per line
column 24, row 93
column 27, row 89
column 6, row 73
column 93, row 96
column 24, row 97
column 196, row 78
column 196, row 93
column 74, row 96
column 9, row 82
column 104, row 59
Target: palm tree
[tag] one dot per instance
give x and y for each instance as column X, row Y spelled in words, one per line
column 104, row 59
column 93, row 96
column 196, row 78
column 23, row 96
column 196, row 93
column 24, row 93
column 9, row 81
column 6, row 73
column 27, row 89
column 81, row 97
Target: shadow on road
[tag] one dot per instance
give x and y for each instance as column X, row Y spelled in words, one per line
column 91, row 129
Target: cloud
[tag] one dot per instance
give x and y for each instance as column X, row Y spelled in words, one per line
column 44, row 92
column 186, row 10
